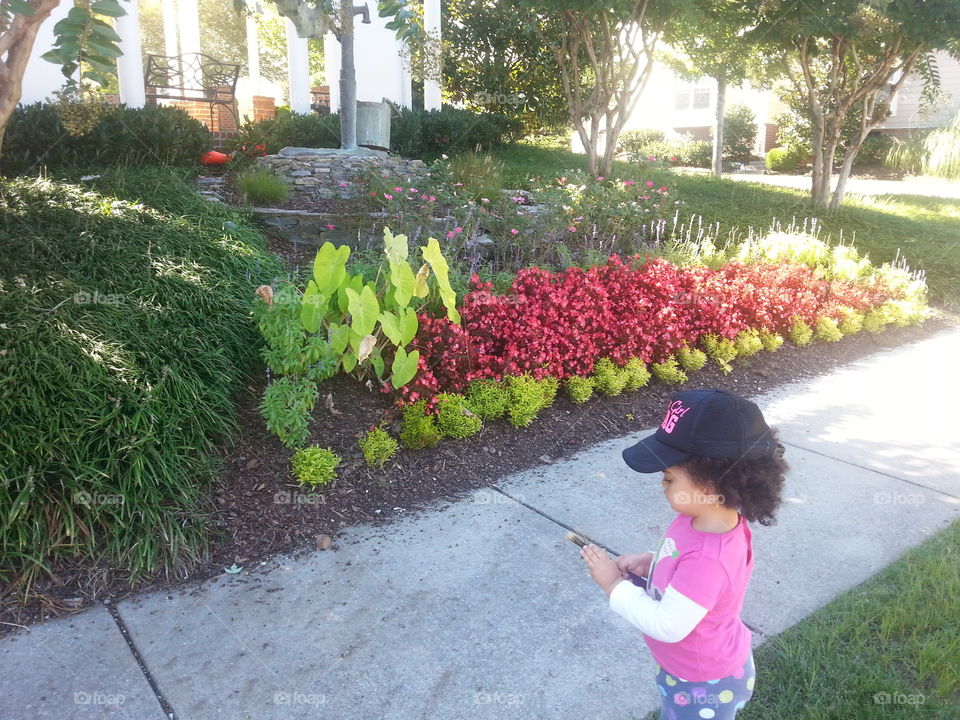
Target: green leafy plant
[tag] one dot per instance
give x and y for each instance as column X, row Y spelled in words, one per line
column 261, row 186
column 419, row 428
column 800, row 333
column 739, row 132
column 747, row 342
column 579, row 389
column 668, row 371
column 720, row 349
column 636, row 373
column 783, row 159
column 454, row 418
column 488, row 399
column 771, row 340
column 691, row 359
column 480, row 174
column 286, row 407
column 827, row 330
column 378, row 447
column 851, row 323
column 315, row 466
column 528, row 396
column 608, row 379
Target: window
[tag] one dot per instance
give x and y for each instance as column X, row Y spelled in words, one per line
column 693, row 95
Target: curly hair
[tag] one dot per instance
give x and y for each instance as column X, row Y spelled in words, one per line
column 752, row 486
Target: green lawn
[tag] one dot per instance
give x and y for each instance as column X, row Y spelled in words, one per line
column 889, row 648
column 926, row 230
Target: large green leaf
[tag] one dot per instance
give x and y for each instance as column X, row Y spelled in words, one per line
column 110, row 8
column 404, row 367
column 364, row 310
column 339, row 337
column 378, row 364
column 433, row 255
column 391, row 327
column 313, row 307
column 349, row 362
column 355, row 284
column 408, row 326
column 329, row 267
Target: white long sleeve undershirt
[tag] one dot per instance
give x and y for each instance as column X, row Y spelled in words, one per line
column 669, row 619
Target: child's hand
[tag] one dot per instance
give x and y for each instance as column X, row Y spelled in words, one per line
column 603, row 570
column 637, row 563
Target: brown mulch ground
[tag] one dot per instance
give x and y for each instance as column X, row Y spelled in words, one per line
column 259, row 510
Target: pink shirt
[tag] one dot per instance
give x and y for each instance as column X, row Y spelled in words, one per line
column 713, row 570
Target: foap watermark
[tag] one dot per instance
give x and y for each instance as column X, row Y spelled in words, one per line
column 299, row 698
column 82, row 497
column 700, row 696
column 483, row 697
column 285, row 497
column 699, row 498
column 485, row 497
column 887, row 497
column 487, row 98
column 98, row 698
column 695, row 298
column 82, row 297
column 899, row 698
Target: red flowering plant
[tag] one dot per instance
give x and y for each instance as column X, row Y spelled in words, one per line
column 562, row 324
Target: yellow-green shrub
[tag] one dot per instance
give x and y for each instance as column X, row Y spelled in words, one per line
column 528, row 396
column 488, row 399
column 637, row 374
column 851, row 323
column 608, row 379
column 720, row 349
column 378, row 447
column 419, row 429
column 747, row 343
column 579, row 389
column 668, row 372
column 771, row 340
column 454, row 418
column 691, row 359
column 800, row 333
column 315, row 466
column 827, row 330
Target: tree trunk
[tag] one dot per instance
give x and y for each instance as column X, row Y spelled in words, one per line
column 822, row 164
column 17, row 43
column 348, row 80
column 718, row 127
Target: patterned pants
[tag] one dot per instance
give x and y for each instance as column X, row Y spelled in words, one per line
column 708, row 699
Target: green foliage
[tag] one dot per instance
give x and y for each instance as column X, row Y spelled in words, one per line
column 35, row 137
column 941, row 156
column 739, row 133
column 771, row 340
column 637, row 374
column 634, row 142
column 680, row 150
column 800, row 333
column 721, row 349
column 668, row 372
column 851, row 323
column 378, row 447
column 286, row 407
column 695, row 153
column 261, row 186
column 425, row 134
column 528, row 396
column 481, row 175
column 875, row 149
column 783, row 159
column 908, row 154
column 84, row 41
column 747, row 343
column 123, row 342
column 419, row 428
column 315, row 466
column 579, row 389
column 488, row 399
column 608, row 379
column 454, row 417
column 691, row 359
column 827, row 330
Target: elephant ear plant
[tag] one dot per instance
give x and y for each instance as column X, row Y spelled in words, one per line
column 340, row 321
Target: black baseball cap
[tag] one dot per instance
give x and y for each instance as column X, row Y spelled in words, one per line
column 710, row 423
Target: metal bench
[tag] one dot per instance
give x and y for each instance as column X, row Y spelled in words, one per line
column 192, row 77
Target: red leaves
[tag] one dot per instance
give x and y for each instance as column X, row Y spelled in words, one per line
column 561, row 324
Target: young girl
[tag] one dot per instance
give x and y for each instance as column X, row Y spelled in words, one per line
column 722, row 466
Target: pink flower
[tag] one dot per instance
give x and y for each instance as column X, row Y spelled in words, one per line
column 627, row 183
column 450, row 235
column 459, row 229
column 423, row 197
column 513, row 231
column 412, row 190
column 649, row 183
column 458, row 184
column 331, row 227
column 398, row 189
column 663, row 189
column 653, row 158
column 388, row 196
column 600, row 178
column 343, row 184
column 572, row 228
column 486, row 200
column 674, row 159
column 432, row 199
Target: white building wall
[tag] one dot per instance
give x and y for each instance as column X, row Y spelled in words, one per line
column 906, row 106
column 41, row 78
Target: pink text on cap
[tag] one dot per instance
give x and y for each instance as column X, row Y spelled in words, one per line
column 674, row 413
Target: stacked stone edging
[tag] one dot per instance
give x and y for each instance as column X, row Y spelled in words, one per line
column 318, row 172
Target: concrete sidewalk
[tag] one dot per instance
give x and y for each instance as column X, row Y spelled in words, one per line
column 480, row 609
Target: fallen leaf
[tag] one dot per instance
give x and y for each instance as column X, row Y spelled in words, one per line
column 233, row 569
column 266, row 292
column 328, row 404
column 324, row 542
column 252, row 463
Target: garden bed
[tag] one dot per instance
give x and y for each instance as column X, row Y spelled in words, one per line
column 255, row 501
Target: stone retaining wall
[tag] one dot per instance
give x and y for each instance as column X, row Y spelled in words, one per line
column 319, row 172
